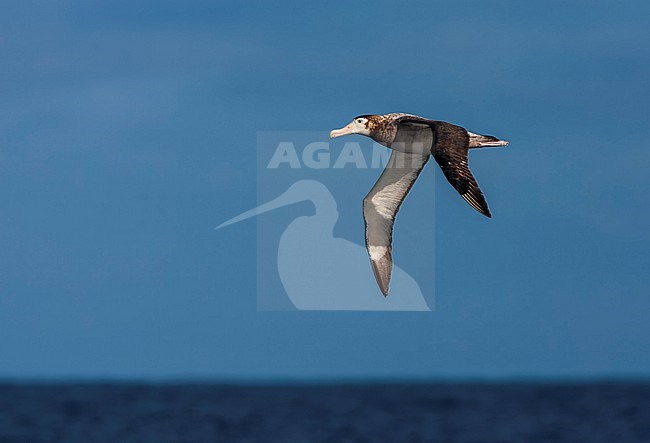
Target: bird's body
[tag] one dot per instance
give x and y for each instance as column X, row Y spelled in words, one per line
column 412, row 139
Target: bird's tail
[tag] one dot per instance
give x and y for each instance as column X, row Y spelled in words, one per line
column 484, row 141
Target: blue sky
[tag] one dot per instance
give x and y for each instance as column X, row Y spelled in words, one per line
column 128, row 131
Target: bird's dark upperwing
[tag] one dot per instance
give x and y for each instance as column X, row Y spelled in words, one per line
column 450, row 151
column 380, row 207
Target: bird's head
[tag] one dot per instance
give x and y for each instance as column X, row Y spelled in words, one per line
column 362, row 124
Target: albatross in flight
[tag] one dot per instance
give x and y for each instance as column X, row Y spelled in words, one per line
column 412, row 139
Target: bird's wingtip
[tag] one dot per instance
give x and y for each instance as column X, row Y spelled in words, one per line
column 382, row 268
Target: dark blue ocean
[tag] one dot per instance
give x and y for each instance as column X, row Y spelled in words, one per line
column 394, row 412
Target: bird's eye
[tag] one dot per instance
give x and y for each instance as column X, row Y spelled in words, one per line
column 359, row 120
